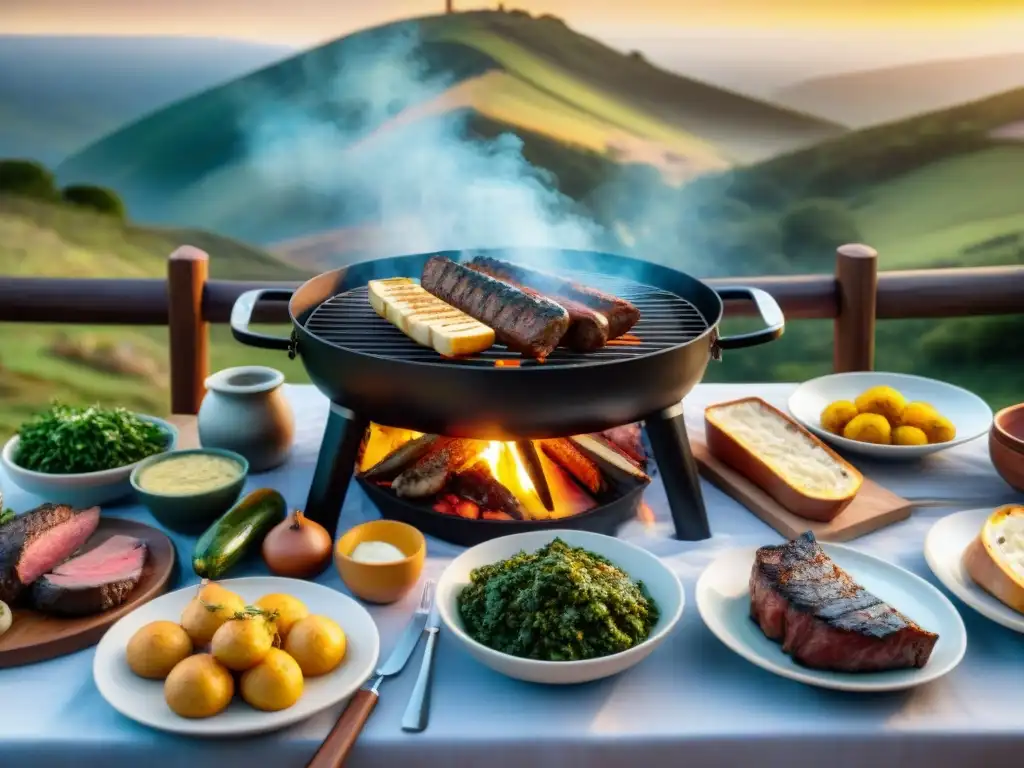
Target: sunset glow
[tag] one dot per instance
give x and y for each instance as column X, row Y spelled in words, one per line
column 305, row 21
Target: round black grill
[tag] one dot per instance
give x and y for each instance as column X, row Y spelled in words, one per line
column 347, row 320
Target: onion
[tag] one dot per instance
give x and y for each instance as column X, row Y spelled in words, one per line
column 297, row 547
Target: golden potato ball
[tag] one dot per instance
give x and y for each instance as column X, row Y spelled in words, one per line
column 288, row 609
column 939, row 429
column 869, row 428
column 884, row 401
column 273, row 684
column 907, row 435
column 198, row 687
column 155, row 649
column 317, row 643
column 243, row 643
column 837, row 415
column 918, row 415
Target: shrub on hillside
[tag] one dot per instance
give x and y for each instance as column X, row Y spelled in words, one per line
column 27, row 179
column 97, row 198
column 812, row 229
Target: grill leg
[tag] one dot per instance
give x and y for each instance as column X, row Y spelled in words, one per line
column 666, row 432
column 335, row 466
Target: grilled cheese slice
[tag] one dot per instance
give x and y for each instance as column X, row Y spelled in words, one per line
column 428, row 320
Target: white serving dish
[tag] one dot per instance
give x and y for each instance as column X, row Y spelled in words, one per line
column 86, row 489
column 969, row 413
column 723, row 601
column 944, row 550
column 143, row 700
column 641, row 565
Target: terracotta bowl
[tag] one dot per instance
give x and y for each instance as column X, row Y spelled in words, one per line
column 381, row 582
column 1006, row 445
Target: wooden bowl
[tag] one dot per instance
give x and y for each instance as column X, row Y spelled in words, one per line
column 381, row 582
column 1006, row 445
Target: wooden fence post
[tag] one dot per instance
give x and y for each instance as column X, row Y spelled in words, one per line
column 854, row 327
column 187, row 271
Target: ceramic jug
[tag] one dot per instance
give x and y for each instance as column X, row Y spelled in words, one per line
column 245, row 411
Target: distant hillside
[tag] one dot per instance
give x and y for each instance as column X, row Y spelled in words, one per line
column 58, row 94
column 364, row 98
column 859, row 99
column 40, row 239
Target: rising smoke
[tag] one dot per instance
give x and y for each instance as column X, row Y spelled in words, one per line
column 372, row 143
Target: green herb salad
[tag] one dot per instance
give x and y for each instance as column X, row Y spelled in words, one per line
column 560, row 603
column 66, row 440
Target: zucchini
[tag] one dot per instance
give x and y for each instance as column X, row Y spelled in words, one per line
column 245, row 524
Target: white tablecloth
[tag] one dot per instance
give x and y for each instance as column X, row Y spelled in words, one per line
column 693, row 702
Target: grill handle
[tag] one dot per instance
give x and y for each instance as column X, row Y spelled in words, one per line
column 241, row 316
column 767, row 307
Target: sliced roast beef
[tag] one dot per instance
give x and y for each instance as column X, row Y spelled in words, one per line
column 824, row 619
column 34, row 543
column 98, row 580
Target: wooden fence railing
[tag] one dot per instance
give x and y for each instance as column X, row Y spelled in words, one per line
column 854, row 296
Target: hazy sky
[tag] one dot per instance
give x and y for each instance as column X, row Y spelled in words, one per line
column 300, row 22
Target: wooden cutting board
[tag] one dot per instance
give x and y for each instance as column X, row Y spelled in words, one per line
column 874, row 507
column 36, row 636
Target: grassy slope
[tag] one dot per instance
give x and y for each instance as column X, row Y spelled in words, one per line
column 44, row 240
column 929, row 215
column 172, row 161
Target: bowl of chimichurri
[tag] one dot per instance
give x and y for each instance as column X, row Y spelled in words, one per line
column 559, row 607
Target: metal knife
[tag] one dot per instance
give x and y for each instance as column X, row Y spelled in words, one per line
column 342, row 738
column 417, row 713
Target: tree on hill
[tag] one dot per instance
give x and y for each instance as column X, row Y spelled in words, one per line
column 814, row 228
column 27, row 179
column 98, row 199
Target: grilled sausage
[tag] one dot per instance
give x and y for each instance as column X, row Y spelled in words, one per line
column 620, row 314
column 526, row 323
column 588, row 330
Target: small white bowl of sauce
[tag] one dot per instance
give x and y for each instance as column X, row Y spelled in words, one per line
column 189, row 489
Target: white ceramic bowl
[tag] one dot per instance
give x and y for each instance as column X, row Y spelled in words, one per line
column 86, row 489
column 641, row 565
column 969, row 413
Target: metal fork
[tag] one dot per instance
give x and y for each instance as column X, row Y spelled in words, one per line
column 417, row 713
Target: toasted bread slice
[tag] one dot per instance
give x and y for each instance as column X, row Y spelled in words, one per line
column 428, row 320
column 995, row 559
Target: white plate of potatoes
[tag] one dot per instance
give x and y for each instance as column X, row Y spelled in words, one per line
column 143, row 700
column 889, row 416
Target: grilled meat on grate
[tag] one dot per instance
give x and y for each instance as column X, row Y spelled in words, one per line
column 619, row 313
column 530, row 324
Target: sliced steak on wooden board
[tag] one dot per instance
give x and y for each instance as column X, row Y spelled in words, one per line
column 36, row 636
column 96, row 581
column 35, row 542
column 824, row 619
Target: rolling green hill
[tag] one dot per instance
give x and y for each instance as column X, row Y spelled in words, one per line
column 194, row 160
column 108, row 364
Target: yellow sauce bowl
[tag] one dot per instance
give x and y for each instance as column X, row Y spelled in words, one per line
column 381, row 582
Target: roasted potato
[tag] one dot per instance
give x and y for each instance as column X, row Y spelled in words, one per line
column 837, row 415
column 884, row 401
column 869, row 428
column 907, row 435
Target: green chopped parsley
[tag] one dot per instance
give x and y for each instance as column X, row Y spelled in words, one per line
column 66, row 440
column 560, row 603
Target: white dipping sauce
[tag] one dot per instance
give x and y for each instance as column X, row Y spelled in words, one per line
column 377, row 552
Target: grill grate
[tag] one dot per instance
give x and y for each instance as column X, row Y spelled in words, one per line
column 666, row 320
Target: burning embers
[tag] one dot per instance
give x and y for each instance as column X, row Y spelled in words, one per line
column 490, row 480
